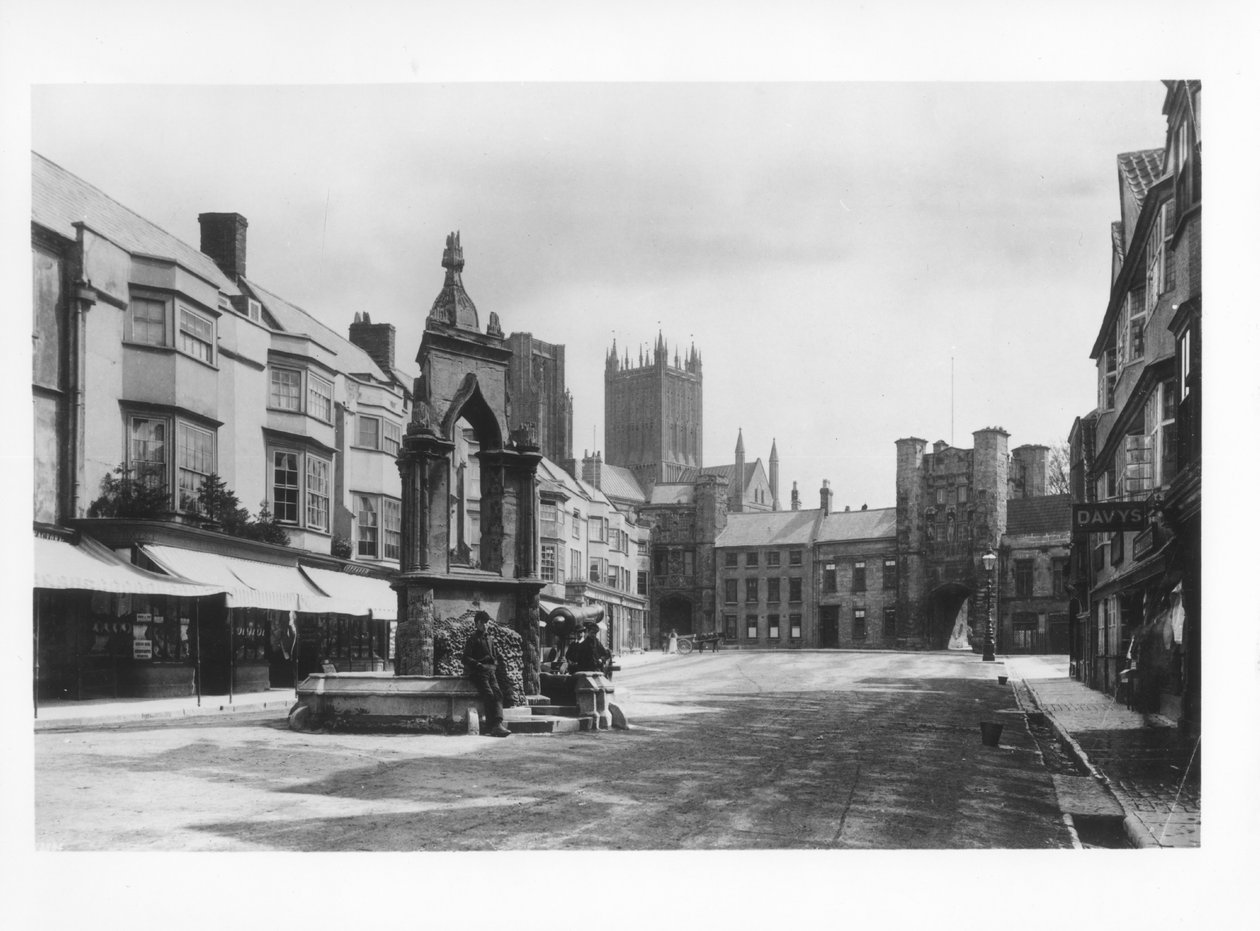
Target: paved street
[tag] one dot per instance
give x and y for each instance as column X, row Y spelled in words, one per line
column 727, row 751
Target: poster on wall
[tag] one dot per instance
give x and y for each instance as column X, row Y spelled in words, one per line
column 142, row 649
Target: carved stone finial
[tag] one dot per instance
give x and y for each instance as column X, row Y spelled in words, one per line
column 493, row 328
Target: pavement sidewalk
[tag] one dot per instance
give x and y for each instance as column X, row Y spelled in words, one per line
column 1151, row 766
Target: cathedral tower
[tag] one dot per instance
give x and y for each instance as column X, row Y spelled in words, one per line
column 653, row 413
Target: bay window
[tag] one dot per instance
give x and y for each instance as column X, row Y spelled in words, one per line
column 150, row 462
column 287, row 393
column 300, row 488
column 196, row 335
column 194, row 449
column 391, row 527
column 154, row 320
column 369, row 525
column 147, row 451
column 148, row 321
column 369, row 432
column 547, row 562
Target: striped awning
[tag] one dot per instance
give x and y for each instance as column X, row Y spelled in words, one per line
column 91, row 566
column 249, row 583
column 368, row 594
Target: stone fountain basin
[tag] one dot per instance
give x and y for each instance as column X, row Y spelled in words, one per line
column 381, row 700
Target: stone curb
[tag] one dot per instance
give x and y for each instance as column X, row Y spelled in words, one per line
column 279, row 707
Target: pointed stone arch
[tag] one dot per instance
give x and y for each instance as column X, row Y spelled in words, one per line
column 470, row 404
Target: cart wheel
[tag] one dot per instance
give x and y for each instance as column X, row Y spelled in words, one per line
column 684, row 647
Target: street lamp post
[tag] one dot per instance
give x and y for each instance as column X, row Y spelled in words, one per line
column 990, row 563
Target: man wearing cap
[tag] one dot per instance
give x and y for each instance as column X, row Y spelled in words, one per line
column 589, row 655
column 481, row 662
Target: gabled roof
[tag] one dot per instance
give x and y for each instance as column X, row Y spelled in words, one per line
column 1046, row 515
column 769, row 528
column 60, row 199
column 293, row 319
column 619, row 482
column 871, row 524
column 1140, row 170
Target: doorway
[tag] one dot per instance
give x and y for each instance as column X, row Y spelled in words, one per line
column 829, row 626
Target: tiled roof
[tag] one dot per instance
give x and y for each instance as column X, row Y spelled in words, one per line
column 1117, row 239
column 673, row 493
column 1046, row 515
column 769, row 528
column 60, row 199
column 1141, row 169
column 551, row 472
column 725, row 471
column 619, row 482
column 293, row 319
column 871, row 524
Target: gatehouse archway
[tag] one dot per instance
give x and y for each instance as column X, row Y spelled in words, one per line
column 948, row 615
column 677, row 614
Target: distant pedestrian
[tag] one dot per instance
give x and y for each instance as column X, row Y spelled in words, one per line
column 673, row 642
column 481, row 662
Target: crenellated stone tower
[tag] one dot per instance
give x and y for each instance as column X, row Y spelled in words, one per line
column 654, row 413
column 462, row 393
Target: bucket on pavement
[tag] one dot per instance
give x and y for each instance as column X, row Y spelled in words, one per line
column 990, row 733
column 1001, row 680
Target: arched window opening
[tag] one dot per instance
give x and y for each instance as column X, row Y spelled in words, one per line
column 465, row 497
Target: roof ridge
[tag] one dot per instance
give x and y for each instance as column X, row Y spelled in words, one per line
column 122, row 206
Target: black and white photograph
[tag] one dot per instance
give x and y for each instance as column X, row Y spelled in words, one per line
column 704, row 475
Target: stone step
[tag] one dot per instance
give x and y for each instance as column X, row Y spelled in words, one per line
column 532, row 700
column 548, row 724
column 561, row 711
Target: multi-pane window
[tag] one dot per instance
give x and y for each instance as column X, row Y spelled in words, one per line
column 750, row 590
column 391, row 437
column 730, row 559
column 196, row 335
column 890, row 622
column 1139, row 464
column 1155, row 261
column 1058, row 568
column 369, row 432
column 772, row 559
column 794, row 626
column 547, row 562
column 575, row 564
column 1132, row 341
column 317, row 493
column 1161, row 427
column 729, row 624
column 391, row 528
column 614, row 576
column 286, row 389
column 194, row 461
column 148, row 321
column 285, row 485
column 548, row 520
column 641, row 547
column 890, row 573
column 369, row 526
column 577, row 526
column 1107, row 380
column 829, row 577
column 318, row 397
column 859, row 576
column 597, row 569
column 148, row 451
column 772, row 627
column 642, row 582
column 1023, row 578
column 750, row 559
column 794, row 558
column 730, row 593
column 859, row 623
column 772, row 591
column 794, row 589
column 751, row 628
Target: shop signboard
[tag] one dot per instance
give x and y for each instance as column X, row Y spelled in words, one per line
column 142, row 649
column 1110, row 516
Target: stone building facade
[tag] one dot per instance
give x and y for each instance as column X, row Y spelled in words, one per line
column 538, row 394
column 654, row 413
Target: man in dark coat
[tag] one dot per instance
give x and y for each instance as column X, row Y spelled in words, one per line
column 589, row 655
column 480, row 664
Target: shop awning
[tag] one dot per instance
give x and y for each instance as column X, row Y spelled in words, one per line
column 91, row 566
column 368, row 594
column 249, row 583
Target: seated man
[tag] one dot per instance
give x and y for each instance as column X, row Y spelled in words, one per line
column 589, row 655
column 481, row 661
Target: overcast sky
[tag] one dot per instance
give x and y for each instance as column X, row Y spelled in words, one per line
column 855, row 262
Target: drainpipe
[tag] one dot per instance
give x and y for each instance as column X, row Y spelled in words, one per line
column 84, row 297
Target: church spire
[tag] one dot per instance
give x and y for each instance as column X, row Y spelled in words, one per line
column 774, row 473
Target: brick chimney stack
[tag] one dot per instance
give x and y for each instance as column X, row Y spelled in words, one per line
column 223, row 239
column 592, row 469
column 825, row 495
column 376, row 339
column 796, row 498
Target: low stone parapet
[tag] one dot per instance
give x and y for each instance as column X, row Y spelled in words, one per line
column 380, row 701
